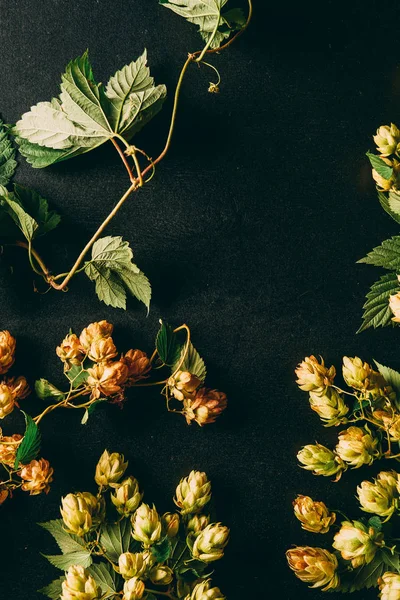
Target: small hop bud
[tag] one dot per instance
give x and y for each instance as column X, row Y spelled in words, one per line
column 330, row 406
column 110, row 469
column 313, row 376
column 197, row 523
column 313, row 516
column 205, row 407
column 127, row 496
column 381, row 497
column 107, row 379
column 146, row 525
column 213, row 88
column 132, row 564
column 133, row 589
column 138, row 365
column 357, row 542
column 76, row 512
column 19, row 387
column 102, row 350
column 193, row 493
column 204, row 591
column 170, row 524
column 387, row 139
column 315, row 566
column 96, row 507
column 37, row 476
column 321, row 461
column 183, row 384
column 70, row 351
column 79, row 585
column 161, row 575
column 95, row 331
column 394, row 304
column 8, row 448
column 7, row 400
column 7, row 351
column 210, row 543
column 389, row 585
column 360, row 375
column 357, row 447
column 4, row 493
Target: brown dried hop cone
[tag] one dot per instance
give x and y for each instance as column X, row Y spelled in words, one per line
column 8, row 448
column 7, row 400
column 183, row 384
column 7, row 351
column 107, row 379
column 93, row 332
column 70, row 351
column 205, row 407
column 19, row 387
column 37, row 476
column 102, row 350
column 315, row 566
column 138, row 365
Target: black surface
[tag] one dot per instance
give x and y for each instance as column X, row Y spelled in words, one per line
column 249, row 232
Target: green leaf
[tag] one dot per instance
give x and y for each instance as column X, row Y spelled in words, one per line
column 162, row 550
column 44, row 389
column 380, row 166
column 367, row 576
column 387, row 202
column 66, row 542
column 192, row 363
column 8, row 164
column 116, row 538
column 391, row 560
column 91, row 409
column 114, row 273
column 191, row 570
column 77, row 375
column 391, row 377
column 54, row 589
column 39, row 156
column 38, row 208
column 65, row 561
column 105, row 577
column 376, row 309
column 24, row 222
column 168, row 345
column 204, row 13
column 375, row 522
column 30, row 445
column 386, row 255
column 134, row 99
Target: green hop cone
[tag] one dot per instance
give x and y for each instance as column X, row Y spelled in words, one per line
column 380, row 497
column 170, row 524
column 76, row 512
column 127, row 496
column 387, row 139
column 321, row 461
column 315, row 566
column 133, row 589
column 360, row 375
column 313, row 516
column 210, row 543
column 357, row 542
column 193, row 493
column 357, row 447
column 132, row 564
column 204, row 591
column 330, row 406
column 161, row 575
column 197, row 523
column 146, row 525
column 313, row 376
column 110, row 469
column 79, row 585
column 389, row 585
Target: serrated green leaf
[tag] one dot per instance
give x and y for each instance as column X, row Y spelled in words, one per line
column 30, row 445
column 105, row 577
column 386, row 205
column 44, row 389
column 391, row 377
column 8, row 164
column 66, row 542
column 39, row 156
column 391, row 560
column 367, row 576
column 206, row 14
column 54, row 589
column 375, row 522
column 192, row 363
column 114, row 273
column 377, row 312
column 38, row 208
column 116, row 538
column 386, row 255
column 380, row 166
column 168, row 345
column 64, row 561
column 134, row 99
column 21, row 218
column 76, row 375
column 162, row 550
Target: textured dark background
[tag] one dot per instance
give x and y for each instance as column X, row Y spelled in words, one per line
column 249, row 232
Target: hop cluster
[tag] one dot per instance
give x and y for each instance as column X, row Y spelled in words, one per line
column 171, row 552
